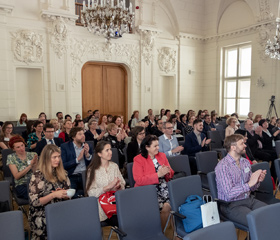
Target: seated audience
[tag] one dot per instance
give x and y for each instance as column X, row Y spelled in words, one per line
column 48, row 185
column 133, row 148
column 150, row 112
column 87, row 118
column 235, row 181
column 189, row 127
column 96, row 114
column 48, row 130
column 93, row 134
column 29, row 129
column 21, row 164
column 200, row 115
column 161, row 114
column 68, row 117
column 109, row 118
column 168, row 144
column 103, row 176
column 272, row 124
column 76, row 156
column 207, row 125
column 267, row 136
column 79, row 123
column 116, row 139
column 102, row 123
column 213, row 120
column 22, row 120
column 177, row 113
column 6, row 134
column 175, row 123
column 67, row 125
column 59, row 116
column 152, row 124
column 276, row 129
column 190, row 113
column 135, row 119
column 183, row 123
column 78, row 117
column 237, row 121
column 158, row 131
column 250, row 116
column 55, row 124
column 36, row 136
column 166, row 116
column 231, row 128
column 257, row 118
column 151, row 167
column 196, row 141
column 42, row 118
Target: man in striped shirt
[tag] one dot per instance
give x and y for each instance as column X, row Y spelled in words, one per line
column 235, row 181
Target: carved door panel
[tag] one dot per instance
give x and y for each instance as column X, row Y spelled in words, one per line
column 104, row 87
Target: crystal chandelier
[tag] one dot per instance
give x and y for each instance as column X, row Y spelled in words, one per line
column 272, row 48
column 104, row 17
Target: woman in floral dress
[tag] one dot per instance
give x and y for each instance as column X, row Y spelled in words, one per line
column 48, row 184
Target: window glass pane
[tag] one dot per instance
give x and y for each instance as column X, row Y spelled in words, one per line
column 229, row 106
column 245, row 61
column 244, row 106
column 244, row 88
column 231, row 62
column 230, row 89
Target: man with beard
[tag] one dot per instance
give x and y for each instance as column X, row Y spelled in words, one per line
column 235, row 181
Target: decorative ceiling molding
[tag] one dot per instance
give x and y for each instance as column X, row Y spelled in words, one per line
column 53, row 14
column 6, row 8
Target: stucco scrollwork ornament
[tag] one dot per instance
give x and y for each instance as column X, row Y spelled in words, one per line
column 59, row 37
column 27, row 46
column 148, row 45
column 166, row 59
column 265, row 13
column 263, row 36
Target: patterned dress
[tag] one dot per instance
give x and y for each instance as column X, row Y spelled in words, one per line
column 162, row 188
column 32, row 138
column 40, row 187
column 13, row 159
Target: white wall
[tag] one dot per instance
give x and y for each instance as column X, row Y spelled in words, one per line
column 194, row 32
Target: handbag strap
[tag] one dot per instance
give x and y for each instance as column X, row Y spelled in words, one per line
column 207, row 198
column 192, row 198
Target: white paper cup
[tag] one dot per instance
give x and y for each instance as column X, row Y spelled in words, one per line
column 71, row 192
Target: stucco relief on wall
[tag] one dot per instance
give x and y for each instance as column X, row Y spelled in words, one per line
column 59, row 37
column 27, row 46
column 86, row 50
column 148, row 38
column 167, row 59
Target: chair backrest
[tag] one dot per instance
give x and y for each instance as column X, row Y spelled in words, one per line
column 223, row 153
column 181, row 143
column 115, row 156
column 266, row 185
column 264, row 222
column 130, row 175
column 212, row 184
column 277, row 168
column 19, row 130
column 242, row 125
column 206, row 161
column 84, row 175
column 220, row 231
column 138, row 212
column 91, row 143
column 179, row 189
column 73, row 219
column 180, row 163
column 277, row 148
column 223, row 123
column 11, row 225
column 219, row 127
column 6, row 169
column 216, row 140
column 125, row 153
column 5, row 192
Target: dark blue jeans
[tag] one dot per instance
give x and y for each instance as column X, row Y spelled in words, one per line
column 77, row 183
column 21, row 191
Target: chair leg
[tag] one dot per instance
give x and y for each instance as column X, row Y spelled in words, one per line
column 111, row 231
column 167, row 222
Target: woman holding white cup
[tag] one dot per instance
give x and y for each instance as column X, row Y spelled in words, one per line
column 48, row 184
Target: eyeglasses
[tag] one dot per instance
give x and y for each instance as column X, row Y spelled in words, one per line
column 141, row 133
column 49, row 131
column 169, row 128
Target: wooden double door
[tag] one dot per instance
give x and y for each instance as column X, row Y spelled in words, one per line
column 104, row 87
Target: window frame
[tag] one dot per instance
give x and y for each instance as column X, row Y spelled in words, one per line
column 236, row 78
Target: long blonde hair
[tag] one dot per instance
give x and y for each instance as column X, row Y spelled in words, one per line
column 45, row 165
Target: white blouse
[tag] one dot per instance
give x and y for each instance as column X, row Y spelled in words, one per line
column 101, row 179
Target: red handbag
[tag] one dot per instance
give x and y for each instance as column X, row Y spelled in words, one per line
column 108, row 203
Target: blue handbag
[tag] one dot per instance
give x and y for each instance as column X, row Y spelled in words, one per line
column 191, row 209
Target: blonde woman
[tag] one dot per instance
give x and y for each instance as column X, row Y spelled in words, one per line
column 48, row 185
column 231, row 128
column 55, row 124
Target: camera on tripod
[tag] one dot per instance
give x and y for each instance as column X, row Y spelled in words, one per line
column 272, row 99
column 271, row 108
